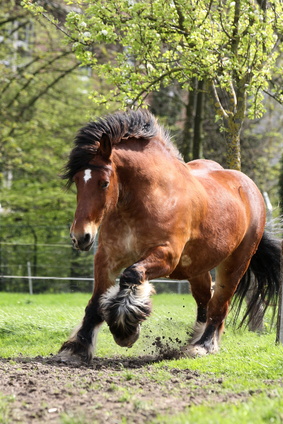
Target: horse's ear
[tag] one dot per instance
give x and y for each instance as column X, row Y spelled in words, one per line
column 105, row 148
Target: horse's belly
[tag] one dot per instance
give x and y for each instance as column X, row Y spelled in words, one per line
column 188, row 267
column 198, row 257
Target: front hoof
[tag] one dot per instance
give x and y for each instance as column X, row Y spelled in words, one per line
column 67, row 357
column 127, row 340
column 73, row 351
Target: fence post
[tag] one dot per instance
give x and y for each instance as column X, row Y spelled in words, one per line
column 29, row 279
column 269, row 211
column 279, row 333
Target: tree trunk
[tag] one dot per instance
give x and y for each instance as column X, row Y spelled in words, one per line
column 186, row 148
column 233, row 121
column 233, row 144
column 198, row 118
column 281, row 186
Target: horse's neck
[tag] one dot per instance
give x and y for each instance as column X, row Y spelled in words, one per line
column 133, row 176
column 138, row 168
column 132, row 184
column 139, row 171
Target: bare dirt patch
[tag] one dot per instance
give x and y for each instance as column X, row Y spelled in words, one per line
column 46, row 390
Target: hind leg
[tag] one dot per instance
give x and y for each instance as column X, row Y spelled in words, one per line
column 228, row 275
column 201, row 291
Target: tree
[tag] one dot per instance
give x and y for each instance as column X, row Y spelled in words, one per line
column 43, row 103
column 230, row 46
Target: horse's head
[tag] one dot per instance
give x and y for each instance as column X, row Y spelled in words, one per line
column 97, row 192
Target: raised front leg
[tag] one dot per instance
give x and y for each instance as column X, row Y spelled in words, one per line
column 82, row 341
column 126, row 306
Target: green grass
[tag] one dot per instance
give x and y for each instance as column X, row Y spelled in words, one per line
column 247, row 362
column 244, row 358
column 36, row 325
column 261, row 409
column 39, row 324
column 6, row 403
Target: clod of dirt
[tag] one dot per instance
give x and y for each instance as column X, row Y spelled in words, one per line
column 165, row 349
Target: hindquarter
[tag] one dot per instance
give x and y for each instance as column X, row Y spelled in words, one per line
column 235, row 216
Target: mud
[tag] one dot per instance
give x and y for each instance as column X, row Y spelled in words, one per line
column 116, row 390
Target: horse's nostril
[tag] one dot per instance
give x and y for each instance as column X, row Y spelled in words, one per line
column 82, row 242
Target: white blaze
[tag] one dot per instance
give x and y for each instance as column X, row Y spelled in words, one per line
column 87, row 175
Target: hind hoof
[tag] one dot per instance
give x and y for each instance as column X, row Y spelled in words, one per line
column 193, row 351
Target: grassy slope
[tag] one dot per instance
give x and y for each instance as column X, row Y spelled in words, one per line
column 37, row 325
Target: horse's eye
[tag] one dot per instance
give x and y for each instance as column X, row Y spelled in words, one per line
column 104, row 184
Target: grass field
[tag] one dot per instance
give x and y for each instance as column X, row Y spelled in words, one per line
column 248, row 362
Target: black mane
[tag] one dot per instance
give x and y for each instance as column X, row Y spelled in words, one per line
column 118, row 126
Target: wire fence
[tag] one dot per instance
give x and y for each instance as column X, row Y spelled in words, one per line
column 74, row 284
column 40, row 259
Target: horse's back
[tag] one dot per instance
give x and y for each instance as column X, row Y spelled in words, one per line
column 204, row 165
column 223, row 182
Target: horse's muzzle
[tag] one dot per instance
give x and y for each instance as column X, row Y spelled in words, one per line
column 84, row 242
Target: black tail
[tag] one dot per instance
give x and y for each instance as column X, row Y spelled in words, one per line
column 262, row 281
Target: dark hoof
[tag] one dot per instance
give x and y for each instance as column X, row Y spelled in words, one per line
column 74, row 351
column 127, row 340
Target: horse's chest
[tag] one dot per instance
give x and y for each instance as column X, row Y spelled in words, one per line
column 129, row 240
column 123, row 240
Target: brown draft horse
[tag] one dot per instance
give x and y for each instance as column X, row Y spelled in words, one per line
column 159, row 216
